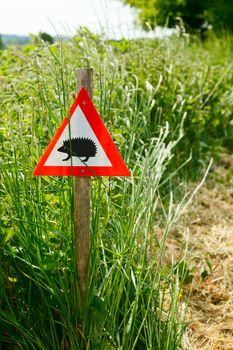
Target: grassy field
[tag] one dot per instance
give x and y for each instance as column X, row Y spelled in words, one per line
column 168, row 106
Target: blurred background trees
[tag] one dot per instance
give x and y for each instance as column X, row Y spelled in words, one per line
column 1, row 43
column 196, row 14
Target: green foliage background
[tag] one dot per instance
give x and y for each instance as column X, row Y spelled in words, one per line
column 194, row 13
column 161, row 100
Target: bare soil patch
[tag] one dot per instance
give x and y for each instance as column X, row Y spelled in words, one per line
column 208, row 222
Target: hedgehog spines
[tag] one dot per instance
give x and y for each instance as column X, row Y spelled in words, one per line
column 79, row 147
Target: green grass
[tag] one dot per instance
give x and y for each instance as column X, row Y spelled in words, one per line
column 148, row 94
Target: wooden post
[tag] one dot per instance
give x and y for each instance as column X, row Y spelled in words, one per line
column 82, row 194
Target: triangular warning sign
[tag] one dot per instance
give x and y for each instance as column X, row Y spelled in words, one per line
column 82, row 146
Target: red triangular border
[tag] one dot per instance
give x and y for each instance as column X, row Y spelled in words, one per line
column 118, row 167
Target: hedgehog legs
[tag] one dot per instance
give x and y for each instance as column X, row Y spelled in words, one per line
column 86, row 159
column 68, row 157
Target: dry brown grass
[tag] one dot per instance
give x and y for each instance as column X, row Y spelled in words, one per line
column 209, row 221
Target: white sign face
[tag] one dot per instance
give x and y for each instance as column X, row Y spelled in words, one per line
column 80, row 135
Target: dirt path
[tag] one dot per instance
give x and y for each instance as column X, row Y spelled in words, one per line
column 210, row 260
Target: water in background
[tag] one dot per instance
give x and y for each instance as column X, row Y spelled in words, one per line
column 117, row 20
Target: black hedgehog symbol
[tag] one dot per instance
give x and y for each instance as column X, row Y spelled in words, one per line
column 79, row 147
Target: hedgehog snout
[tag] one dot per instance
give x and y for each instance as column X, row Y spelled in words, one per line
column 61, row 149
